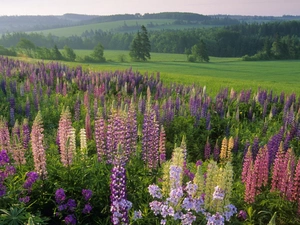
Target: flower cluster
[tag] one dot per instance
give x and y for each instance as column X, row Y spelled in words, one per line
column 65, row 206
column 32, row 177
column 87, row 195
column 6, row 170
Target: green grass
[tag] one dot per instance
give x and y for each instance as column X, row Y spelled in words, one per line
column 218, row 73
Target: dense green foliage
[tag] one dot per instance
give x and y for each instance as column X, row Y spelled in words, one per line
column 231, row 41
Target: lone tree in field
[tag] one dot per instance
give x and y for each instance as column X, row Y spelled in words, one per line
column 140, row 46
column 199, row 52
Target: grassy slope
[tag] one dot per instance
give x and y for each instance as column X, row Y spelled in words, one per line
column 219, row 73
column 108, row 26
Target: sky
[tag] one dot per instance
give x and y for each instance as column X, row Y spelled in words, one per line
column 111, row 7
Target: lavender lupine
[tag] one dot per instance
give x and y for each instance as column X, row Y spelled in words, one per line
column 115, row 135
column 118, row 198
column 216, row 151
column 131, row 131
column 38, row 150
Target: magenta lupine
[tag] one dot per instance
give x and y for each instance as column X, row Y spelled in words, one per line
column 77, row 109
column 250, row 192
column 88, row 128
column 162, row 145
column 38, row 150
column 286, row 183
column 296, row 186
column 64, row 136
column 278, row 169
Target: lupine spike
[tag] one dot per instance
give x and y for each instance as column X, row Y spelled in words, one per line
column 38, row 150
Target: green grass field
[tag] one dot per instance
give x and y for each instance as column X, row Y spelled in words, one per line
column 218, row 73
column 111, row 26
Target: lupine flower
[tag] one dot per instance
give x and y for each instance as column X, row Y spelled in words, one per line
column 25, row 199
column 38, row 150
column 242, row 215
column 137, row 215
column 87, row 208
column 218, row 193
column 31, row 178
column 71, row 204
column 87, row 194
column 60, row 196
column 155, row 191
column 70, row 219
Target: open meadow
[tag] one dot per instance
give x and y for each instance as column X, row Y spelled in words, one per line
column 219, row 72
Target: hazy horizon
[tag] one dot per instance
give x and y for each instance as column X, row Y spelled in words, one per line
column 96, row 7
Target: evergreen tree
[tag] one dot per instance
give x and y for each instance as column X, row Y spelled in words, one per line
column 140, row 46
column 56, row 53
column 98, row 53
column 69, row 53
column 203, row 55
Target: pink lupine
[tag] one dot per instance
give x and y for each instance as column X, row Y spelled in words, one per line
column 207, row 149
column 38, row 150
column 64, row 129
column 18, row 151
column 4, row 135
column 247, row 162
column 131, row 131
column 278, row 169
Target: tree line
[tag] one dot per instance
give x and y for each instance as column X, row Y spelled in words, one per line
column 230, row 41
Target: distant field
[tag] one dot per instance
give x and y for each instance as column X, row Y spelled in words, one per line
column 220, row 72
column 159, row 24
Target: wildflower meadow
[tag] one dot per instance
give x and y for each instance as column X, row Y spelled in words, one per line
column 120, row 147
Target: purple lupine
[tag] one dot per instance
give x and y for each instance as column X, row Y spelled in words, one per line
column 207, row 149
column 150, row 140
column 100, row 137
column 27, row 108
column 60, row 196
column 87, row 194
column 70, row 219
column 30, row 180
column 25, row 134
column 216, row 151
column 255, row 147
column 87, row 208
column 77, row 109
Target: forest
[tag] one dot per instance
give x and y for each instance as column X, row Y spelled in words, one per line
column 229, row 41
